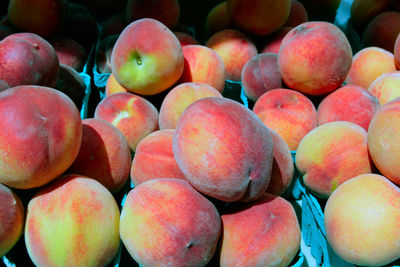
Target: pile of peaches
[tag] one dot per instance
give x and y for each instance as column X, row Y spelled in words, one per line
column 204, row 178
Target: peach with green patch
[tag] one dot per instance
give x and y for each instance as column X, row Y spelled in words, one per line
column 40, row 137
column 104, row 154
column 362, row 221
column 386, row 87
column 290, row 113
column 179, row 98
column 315, row 57
column 167, row 222
column 154, row 158
column 12, row 216
column 349, row 103
column 384, row 141
column 133, row 115
column 331, row 154
column 235, row 48
column 147, row 57
column 262, row 233
column 368, row 64
column 223, row 149
column 72, row 221
column 203, row 65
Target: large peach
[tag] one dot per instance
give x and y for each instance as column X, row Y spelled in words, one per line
column 179, row 98
column 331, row 154
column 260, row 74
column 362, row 220
column 223, row 149
column 133, row 115
column 40, row 137
column 167, row 222
column 235, row 48
column 12, row 216
column 203, row 65
column 349, row 103
column 104, row 154
column 368, row 64
column 26, row 58
column 262, row 233
column 259, row 17
column 383, row 140
column 315, row 57
column 154, row 158
column 147, row 57
column 72, row 221
column 290, row 113
column 386, row 87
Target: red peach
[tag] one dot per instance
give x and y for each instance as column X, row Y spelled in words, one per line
column 69, row 52
column 396, row 52
column 272, row 42
column 185, row 39
column 386, row 87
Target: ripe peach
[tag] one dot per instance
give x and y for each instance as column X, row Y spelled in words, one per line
column 144, row 64
column 349, row 103
column 315, row 58
column 223, row 149
column 203, row 65
column 133, row 115
column 69, row 52
column 262, row 233
column 40, row 137
column 167, row 222
column 259, row 17
column 260, row 74
column 235, row 48
column 179, row 98
column 12, row 216
column 272, row 42
column 363, row 203
column 72, row 221
column 112, row 86
column 386, row 87
column 331, row 154
column 383, row 140
column 290, row 113
column 104, row 154
column 368, row 64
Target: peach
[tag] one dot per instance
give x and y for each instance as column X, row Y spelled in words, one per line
column 223, row 149
column 349, row 103
column 165, row 11
column 104, row 154
column 12, row 216
column 179, row 98
column 382, row 30
column 368, row 64
column 331, row 154
column 272, row 42
column 282, row 166
column 262, row 233
column 27, row 59
column 102, row 58
column 386, row 87
column 235, row 48
column 383, row 140
column 69, row 52
column 260, row 74
column 217, row 19
column 365, row 202
column 290, row 113
column 154, row 158
column 133, row 115
column 143, row 63
column 112, row 86
column 185, row 39
column 40, row 137
column 315, row 58
column 259, row 17
column 45, row 17
column 167, row 222
column 203, row 65
column 72, row 221
column 298, row 14
column 396, row 52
